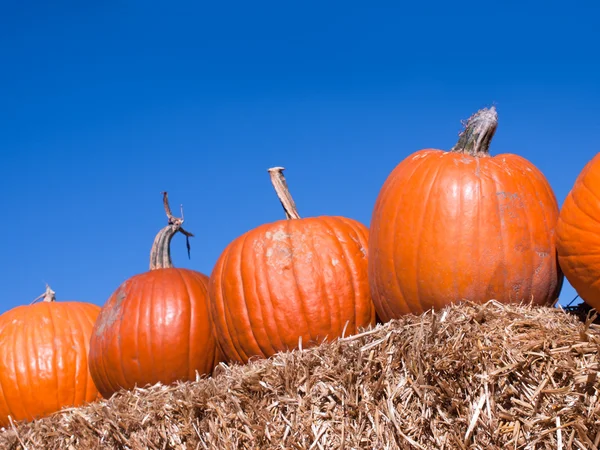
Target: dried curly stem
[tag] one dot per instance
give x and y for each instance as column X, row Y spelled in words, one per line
column 281, row 188
column 49, row 296
column 477, row 135
column 160, row 255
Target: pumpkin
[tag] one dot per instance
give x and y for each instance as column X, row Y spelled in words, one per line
column 292, row 283
column 578, row 234
column 457, row 225
column 155, row 326
column 43, row 358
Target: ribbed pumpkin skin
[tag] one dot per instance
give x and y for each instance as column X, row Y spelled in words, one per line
column 301, row 277
column 578, row 234
column 154, row 327
column 450, row 226
column 43, row 359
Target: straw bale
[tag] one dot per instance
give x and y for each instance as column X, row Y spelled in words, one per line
column 467, row 377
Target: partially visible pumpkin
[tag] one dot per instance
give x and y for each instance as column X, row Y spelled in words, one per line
column 300, row 279
column 155, row 327
column 461, row 225
column 578, row 234
column 43, row 358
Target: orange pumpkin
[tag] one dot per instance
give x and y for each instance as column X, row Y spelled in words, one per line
column 155, row 327
column 463, row 225
column 290, row 280
column 43, row 358
column 578, row 234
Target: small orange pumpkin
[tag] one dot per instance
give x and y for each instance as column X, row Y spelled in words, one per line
column 300, row 278
column 43, row 358
column 155, row 327
column 461, row 225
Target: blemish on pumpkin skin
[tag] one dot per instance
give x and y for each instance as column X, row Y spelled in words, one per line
column 466, row 160
column 112, row 314
column 512, row 200
column 279, row 235
column 258, row 246
column 521, row 247
column 509, row 195
column 279, row 257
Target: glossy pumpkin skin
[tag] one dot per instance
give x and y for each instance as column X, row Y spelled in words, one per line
column 43, row 359
column 578, row 234
column 290, row 279
column 449, row 226
column 154, row 328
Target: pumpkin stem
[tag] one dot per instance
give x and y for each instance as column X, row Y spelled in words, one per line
column 48, row 296
column 160, row 255
column 281, row 188
column 477, row 135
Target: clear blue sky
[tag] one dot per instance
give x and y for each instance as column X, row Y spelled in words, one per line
column 106, row 104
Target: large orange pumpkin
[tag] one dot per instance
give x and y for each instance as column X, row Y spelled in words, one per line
column 290, row 280
column 461, row 225
column 578, row 234
column 155, row 327
column 43, row 358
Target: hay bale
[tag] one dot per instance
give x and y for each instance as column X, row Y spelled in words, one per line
column 492, row 376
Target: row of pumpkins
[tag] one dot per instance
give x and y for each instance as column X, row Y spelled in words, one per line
column 446, row 226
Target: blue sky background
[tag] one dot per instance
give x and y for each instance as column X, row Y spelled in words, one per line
column 106, row 104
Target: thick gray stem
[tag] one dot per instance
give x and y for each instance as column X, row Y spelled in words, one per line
column 479, row 130
column 281, row 188
column 160, row 255
column 48, row 296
